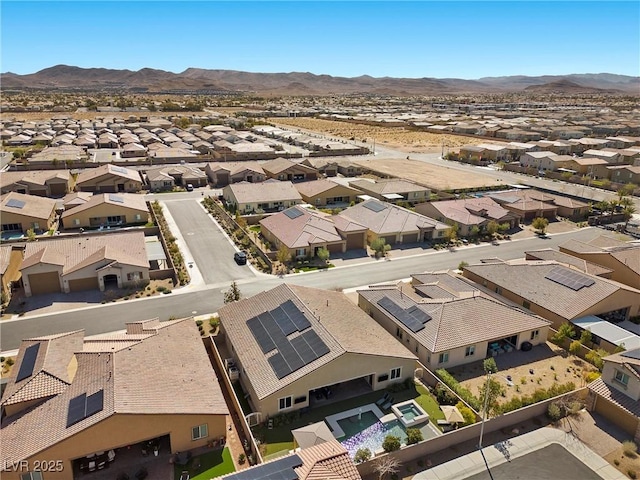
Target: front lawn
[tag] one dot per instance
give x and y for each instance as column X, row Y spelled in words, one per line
column 208, row 465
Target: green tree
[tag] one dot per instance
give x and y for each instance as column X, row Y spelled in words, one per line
column 462, row 265
column 492, row 228
column 467, row 413
column 233, row 294
column 323, row 254
column 380, row 247
column 574, row 347
column 283, row 255
column 565, row 330
column 586, row 337
column 489, row 365
column 362, row 455
column 31, row 235
column 391, row 443
column 540, row 224
column 503, row 228
column 414, row 435
column 474, row 232
column 451, row 233
column 490, row 390
column 628, row 212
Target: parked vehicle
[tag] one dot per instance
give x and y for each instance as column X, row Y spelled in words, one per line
column 240, row 258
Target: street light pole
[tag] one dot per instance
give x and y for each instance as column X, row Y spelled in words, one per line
column 484, row 410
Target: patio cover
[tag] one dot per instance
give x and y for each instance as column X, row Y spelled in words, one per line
column 313, row 434
column 392, row 196
column 452, row 414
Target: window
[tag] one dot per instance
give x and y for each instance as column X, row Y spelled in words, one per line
column 201, row 431
column 134, row 276
column 31, row 476
column 383, row 378
column 76, row 221
column 535, row 334
column 138, row 217
column 300, row 252
column 285, row 403
column 11, row 227
column 301, row 399
column 443, row 358
column 395, row 373
column 36, row 226
column 526, row 305
column 621, row 378
column 399, row 333
column 470, row 351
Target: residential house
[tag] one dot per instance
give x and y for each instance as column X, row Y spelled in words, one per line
column 109, row 179
column 44, row 183
column 71, row 264
column 625, row 174
column 527, row 204
column 431, row 328
column 349, row 169
column 611, row 157
column 107, row 210
column 468, row 213
column 133, row 150
column 591, row 167
column 556, row 292
column 393, row 190
column 303, row 232
column 322, row 193
column 538, row 160
column 21, row 212
column 606, row 335
column 622, row 258
column 10, row 260
column 396, row 225
column 74, row 199
column 222, row 174
column 296, row 346
column 616, row 394
column 285, row 169
column 328, row 168
column 166, row 178
column 267, row 197
column 495, row 153
column 88, row 397
column 570, row 261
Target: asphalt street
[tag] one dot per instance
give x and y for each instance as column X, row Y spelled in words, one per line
column 207, row 299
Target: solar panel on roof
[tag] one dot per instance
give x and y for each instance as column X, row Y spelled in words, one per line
column 15, row 203
column 28, row 362
column 77, row 408
column 296, row 315
column 260, row 334
column 281, row 469
column 116, row 198
column 279, row 366
column 632, row 354
column 410, row 318
column 419, row 314
column 375, row 206
column 303, row 349
column 292, row 213
column 316, row 343
column 568, row 278
column 119, row 169
column 284, row 322
column 95, row 403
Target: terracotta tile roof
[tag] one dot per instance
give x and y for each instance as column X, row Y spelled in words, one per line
column 528, row 281
column 327, row 461
column 344, row 224
column 134, row 381
column 326, row 311
column 309, row 228
column 72, row 252
column 472, row 211
column 39, row 386
column 280, row 164
column 36, row 207
column 459, row 322
column 565, row 258
column 35, row 177
column 245, row 192
column 442, row 285
column 130, row 201
column 92, row 174
column 5, row 257
column 71, row 200
column 390, row 219
column 615, row 396
column 386, row 186
column 322, row 186
column 187, row 172
column 627, row 254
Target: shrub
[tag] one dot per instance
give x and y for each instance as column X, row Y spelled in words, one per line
column 362, row 455
column 595, row 358
column 444, row 396
column 554, row 412
column 166, row 292
column 199, row 322
column 632, row 474
column 467, row 413
column 574, row 347
column 242, row 458
column 391, row 443
column 414, row 435
column 629, row 448
column 9, row 361
column 214, row 322
column 616, row 462
column 591, row 376
column 161, row 288
column 462, row 392
column 2, row 359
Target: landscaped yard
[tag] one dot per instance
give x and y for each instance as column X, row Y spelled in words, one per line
column 542, row 367
column 280, row 439
column 207, row 465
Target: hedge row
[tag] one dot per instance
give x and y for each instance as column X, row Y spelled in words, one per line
column 539, row 395
column 464, row 393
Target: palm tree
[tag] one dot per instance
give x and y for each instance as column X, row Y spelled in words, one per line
column 628, row 212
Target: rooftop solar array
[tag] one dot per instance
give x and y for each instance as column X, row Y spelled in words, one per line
column 271, row 330
column 375, row 206
column 632, row 354
column 84, row 406
column 281, row 469
column 569, row 278
column 292, row 213
column 28, row 362
column 15, row 203
column 116, row 198
column 413, row 317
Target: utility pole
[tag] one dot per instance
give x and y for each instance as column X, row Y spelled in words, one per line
column 484, row 410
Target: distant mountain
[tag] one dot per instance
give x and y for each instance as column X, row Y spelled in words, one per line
column 305, row 83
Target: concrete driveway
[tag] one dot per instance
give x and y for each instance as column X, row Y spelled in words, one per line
column 210, row 248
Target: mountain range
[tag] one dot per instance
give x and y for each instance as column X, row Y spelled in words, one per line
column 198, row 80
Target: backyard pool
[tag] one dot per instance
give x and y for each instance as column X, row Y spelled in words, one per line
column 368, row 432
column 410, row 413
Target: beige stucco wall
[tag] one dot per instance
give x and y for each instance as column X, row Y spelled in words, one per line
column 632, row 390
column 110, row 181
column 28, row 222
column 320, row 200
column 103, row 211
column 123, row 430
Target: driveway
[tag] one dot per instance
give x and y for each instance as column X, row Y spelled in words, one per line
column 210, row 249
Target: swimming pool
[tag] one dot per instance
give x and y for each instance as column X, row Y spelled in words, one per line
column 410, row 413
column 369, row 432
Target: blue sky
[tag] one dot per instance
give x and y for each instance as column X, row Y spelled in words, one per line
column 398, row 39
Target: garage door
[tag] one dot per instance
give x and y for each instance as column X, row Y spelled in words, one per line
column 58, row 189
column 44, row 283
column 410, row 238
column 355, row 240
column 390, row 239
column 335, row 248
column 81, row 284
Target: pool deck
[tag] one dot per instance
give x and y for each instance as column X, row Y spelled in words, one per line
column 503, row 452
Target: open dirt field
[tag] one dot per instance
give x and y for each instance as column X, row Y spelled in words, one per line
column 550, row 365
column 395, row 137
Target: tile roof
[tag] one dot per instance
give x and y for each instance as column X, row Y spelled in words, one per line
column 280, row 164
column 390, row 219
column 615, row 396
column 327, row 461
column 528, row 281
column 336, row 320
column 71, row 252
column 245, row 192
column 322, row 186
column 472, row 211
column 34, row 206
column 459, row 322
column 309, row 228
column 447, row 284
column 134, row 381
column 35, row 177
column 565, row 258
column 130, row 201
column 5, row 257
column 187, row 172
column 91, row 174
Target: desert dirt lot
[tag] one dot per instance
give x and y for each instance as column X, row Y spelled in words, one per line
column 550, row 365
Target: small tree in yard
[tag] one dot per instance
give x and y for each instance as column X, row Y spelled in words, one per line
column 467, row 413
column 574, row 347
column 451, row 233
column 540, row 224
column 380, row 247
column 31, row 235
column 585, row 337
column 492, row 389
column 386, row 465
column 489, row 365
column 462, row 265
column 233, row 294
column 391, row 443
column 492, row 228
column 323, row 254
column 362, row 455
column 474, row 232
column 565, row 331
column 283, row 254
column 414, row 435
